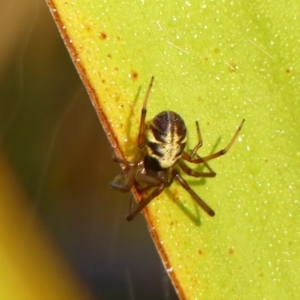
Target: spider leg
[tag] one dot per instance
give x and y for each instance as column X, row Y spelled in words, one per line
column 185, row 185
column 128, row 176
column 125, row 180
column 141, row 205
column 194, row 173
column 214, row 155
column 200, row 141
column 130, row 204
column 129, row 181
column 119, row 160
column 141, row 136
column 191, row 157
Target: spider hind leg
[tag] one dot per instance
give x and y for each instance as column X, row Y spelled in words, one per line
column 186, row 186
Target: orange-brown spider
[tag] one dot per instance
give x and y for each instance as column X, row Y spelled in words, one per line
column 162, row 142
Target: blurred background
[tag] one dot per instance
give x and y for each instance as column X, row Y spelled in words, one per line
column 54, row 151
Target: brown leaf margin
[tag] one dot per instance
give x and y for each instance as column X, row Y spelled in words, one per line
column 113, row 140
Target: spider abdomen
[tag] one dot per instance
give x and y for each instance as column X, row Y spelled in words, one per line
column 166, row 138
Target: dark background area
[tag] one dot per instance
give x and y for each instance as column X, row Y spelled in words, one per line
column 58, row 151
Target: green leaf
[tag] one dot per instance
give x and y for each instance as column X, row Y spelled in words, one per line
column 215, row 62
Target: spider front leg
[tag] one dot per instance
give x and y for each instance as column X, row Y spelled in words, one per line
column 132, row 169
column 176, row 175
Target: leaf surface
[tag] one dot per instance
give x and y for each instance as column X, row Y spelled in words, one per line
column 215, row 62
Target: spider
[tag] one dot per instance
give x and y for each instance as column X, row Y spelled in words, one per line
column 161, row 143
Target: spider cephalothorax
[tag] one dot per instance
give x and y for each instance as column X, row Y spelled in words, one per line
column 162, row 142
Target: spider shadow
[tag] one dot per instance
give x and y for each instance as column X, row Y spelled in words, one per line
column 130, row 118
column 193, row 215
